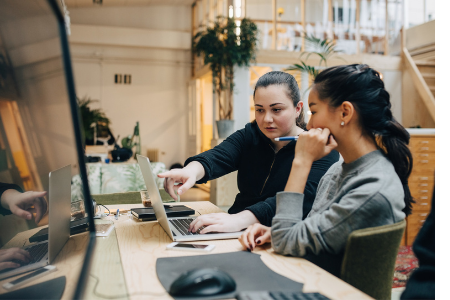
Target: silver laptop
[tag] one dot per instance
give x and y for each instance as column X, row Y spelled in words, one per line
column 176, row 228
column 44, row 253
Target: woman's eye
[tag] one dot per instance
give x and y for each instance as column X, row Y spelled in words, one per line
column 276, row 109
column 259, row 110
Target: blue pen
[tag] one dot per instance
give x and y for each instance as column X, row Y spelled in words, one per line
column 117, row 214
column 286, row 138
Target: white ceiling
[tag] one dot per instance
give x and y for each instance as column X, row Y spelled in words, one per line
column 90, row 3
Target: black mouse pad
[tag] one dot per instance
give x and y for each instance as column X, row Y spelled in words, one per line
column 247, row 270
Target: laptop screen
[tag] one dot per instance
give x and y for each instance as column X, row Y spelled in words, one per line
column 39, row 122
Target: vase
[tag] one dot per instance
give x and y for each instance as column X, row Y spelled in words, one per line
column 225, row 128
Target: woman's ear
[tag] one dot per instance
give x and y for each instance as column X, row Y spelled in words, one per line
column 298, row 108
column 347, row 112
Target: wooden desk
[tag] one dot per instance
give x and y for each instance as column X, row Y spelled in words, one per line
column 141, row 243
column 68, row 262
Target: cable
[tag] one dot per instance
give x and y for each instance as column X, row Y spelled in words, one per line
column 121, row 296
column 109, row 212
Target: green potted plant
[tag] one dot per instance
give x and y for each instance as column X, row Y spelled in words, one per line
column 91, row 119
column 223, row 46
column 325, row 49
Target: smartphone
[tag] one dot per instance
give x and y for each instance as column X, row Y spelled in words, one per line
column 190, row 247
column 29, row 277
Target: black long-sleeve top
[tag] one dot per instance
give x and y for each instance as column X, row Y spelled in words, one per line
column 262, row 172
column 3, row 188
column 422, row 283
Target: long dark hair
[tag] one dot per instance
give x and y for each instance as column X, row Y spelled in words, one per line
column 363, row 87
column 293, row 92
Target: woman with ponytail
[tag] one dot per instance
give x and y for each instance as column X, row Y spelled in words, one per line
column 351, row 112
column 263, row 164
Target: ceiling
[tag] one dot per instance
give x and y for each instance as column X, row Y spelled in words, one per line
column 90, row 3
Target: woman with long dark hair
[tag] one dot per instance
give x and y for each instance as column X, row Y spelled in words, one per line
column 263, row 164
column 351, row 112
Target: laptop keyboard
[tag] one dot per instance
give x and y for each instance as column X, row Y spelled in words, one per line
column 37, row 252
column 182, row 225
column 280, row 296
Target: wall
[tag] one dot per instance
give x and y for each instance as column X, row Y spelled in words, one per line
column 152, row 43
column 242, row 101
column 262, row 10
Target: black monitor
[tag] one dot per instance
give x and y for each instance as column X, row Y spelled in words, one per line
column 39, row 120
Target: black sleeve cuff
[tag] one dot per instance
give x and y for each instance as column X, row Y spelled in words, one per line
column 204, row 161
column 264, row 211
column 3, row 188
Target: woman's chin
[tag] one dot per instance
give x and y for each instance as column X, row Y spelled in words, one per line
column 272, row 134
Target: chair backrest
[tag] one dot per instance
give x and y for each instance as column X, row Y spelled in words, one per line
column 369, row 259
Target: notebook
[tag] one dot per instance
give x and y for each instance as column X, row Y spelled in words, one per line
column 176, row 228
column 148, row 214
column 44, row 253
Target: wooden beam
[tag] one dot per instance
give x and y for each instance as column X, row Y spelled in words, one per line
column 330, row 19
column 358, row 33
column 205, row 12
column 402, row 37
column 303, row 9
column 193, row 29
column 286, row 58
column 419, row 83
column 274, row 27
column 386, row 38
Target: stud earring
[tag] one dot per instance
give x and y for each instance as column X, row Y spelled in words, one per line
column 342, row 123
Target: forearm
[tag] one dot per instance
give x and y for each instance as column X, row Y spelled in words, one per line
column 298, row 176
column 6, row 197
column 197, row 169
column 286, row 236
column 245, row 218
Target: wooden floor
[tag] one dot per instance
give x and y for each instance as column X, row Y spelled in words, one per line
column 194, row 194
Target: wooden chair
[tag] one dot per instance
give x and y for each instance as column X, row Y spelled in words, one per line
column 369, row 259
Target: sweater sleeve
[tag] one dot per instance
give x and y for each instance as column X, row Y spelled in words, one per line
column 327, row 231
column 264, row 211
column 3, row 188
column 223, row 158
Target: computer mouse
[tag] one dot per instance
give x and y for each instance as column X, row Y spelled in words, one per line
column 202, row 282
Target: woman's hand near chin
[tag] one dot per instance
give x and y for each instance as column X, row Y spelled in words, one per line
column 314, row 144
column 255, row 234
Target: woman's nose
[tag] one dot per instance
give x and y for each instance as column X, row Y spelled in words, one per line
column 268, row 118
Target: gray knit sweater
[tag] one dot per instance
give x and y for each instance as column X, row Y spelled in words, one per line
column 364, row 193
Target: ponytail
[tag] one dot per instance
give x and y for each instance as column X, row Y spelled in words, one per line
column 395, row 142
column 363, row 87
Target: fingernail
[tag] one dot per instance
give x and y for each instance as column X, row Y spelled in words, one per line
column 258, row 242
column 28, row 217
column 248, row 249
